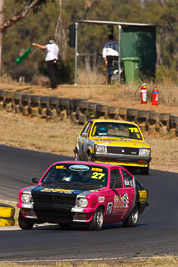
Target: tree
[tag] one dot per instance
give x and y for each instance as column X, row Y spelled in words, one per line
column 18, row 16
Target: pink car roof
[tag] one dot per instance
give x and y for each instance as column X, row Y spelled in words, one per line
column 86, row 162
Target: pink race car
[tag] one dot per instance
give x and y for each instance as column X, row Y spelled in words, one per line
column 82, row 192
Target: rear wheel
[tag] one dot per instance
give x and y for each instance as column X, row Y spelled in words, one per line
column 24, row 223
column 64, row 226
column 97, row 221
column 132, row 220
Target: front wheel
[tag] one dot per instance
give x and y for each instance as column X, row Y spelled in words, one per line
column 132, row 219
column 77, row 158
column 89, row 157
column 24, row 223
column 144, row 170
column 97, row 221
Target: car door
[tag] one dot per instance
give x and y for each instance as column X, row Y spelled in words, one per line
column 119, row 197
column 129, row 191
column 115, row 197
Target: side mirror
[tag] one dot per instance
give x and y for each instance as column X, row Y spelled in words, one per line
column 84, row 134
column 35, row 180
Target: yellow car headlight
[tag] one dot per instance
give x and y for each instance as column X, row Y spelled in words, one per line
column 144, row 152
column 100, row 149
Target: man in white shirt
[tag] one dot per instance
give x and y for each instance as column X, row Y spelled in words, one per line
column 110, row 54
column 52, row 53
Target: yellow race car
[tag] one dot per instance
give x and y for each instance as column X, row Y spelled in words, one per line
column 114, row 142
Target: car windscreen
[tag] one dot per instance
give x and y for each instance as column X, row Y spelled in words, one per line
column 77, row 174
column 112, row 129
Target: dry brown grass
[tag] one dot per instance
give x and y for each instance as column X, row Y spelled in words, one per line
column 91, row 77
column 37, row 134
column 165, row 261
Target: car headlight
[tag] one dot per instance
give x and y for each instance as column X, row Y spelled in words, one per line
column 100, row 148
column 26, row 198
column 82, row 202
column 144, row 152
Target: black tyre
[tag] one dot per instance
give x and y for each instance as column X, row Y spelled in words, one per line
column 9, row 95
column 144, row 170
column 143, row 114
column 64, row 226
column 45, row 100
column 102, row 108
column 53, row 100
column 26, row 98
column 153, row 116
column 35, row 99
column 77, row 158
column 113, row 110
column 89, row 157
column 92, row 105
column 132, row 219
column 17, row 96
column 97, row 222
column 164, row 116
column 122, row 111
column 132, row 112
column 24, row 223
column 83, row 105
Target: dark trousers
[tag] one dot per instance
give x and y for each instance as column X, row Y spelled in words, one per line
column 52, row 72
column 112, row 64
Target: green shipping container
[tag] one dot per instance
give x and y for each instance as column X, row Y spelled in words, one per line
column 140, row 42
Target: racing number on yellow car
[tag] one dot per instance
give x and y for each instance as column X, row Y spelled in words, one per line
column 97, row 175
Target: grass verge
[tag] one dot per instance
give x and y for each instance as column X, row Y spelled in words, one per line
column 164, row 261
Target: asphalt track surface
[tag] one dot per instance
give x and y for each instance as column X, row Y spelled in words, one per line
column 156, row 233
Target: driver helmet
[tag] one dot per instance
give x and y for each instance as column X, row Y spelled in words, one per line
column 67, row 178
column 103, row 130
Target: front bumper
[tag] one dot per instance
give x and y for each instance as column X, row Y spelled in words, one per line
column 127, row 160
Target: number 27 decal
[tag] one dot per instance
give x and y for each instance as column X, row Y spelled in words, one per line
column 97, row 175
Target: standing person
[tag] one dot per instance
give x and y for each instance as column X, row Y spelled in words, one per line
column 110, row 54
column 52, row 52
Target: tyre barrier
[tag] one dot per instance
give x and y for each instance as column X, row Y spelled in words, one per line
column 17, row 102
column 113, row 112
column 7, row 213
column 8, row 103
column 26, row 104
column 35, row 104
column 2, row 94
column 80, row 111
column 101, row 111
column 44, row 106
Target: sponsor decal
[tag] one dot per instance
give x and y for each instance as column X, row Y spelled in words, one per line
column 97, row 169
column 79, row 168
column 128, row 183
column 60, row 167
column 142, row 195
column 101, row 199
column 134, row 130
column 109, row 208
column 120, row 203
column 59, row 190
